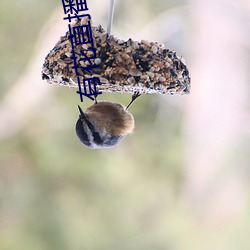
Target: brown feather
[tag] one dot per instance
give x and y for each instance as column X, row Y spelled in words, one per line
column 112, row 117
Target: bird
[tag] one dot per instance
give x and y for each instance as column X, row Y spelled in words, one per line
column 104, row 124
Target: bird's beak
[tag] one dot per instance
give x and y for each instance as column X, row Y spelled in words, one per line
column 82, row 115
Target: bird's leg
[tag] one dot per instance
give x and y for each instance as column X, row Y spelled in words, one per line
column 134, row 97
column 95, row 96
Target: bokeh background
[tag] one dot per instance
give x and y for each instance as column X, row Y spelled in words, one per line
column 180, row 182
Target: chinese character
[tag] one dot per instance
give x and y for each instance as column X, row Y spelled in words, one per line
column 81, row 35
column 91, row 91
column 81, row 5
column 69, row 7
column 87, row 68
column 88, row 58
column 76, row 16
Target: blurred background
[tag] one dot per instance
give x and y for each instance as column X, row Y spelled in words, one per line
column 180, row 182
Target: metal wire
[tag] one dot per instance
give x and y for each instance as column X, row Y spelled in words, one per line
column 110, row 15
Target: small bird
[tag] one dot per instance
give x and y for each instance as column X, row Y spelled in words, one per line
column 104, row 124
